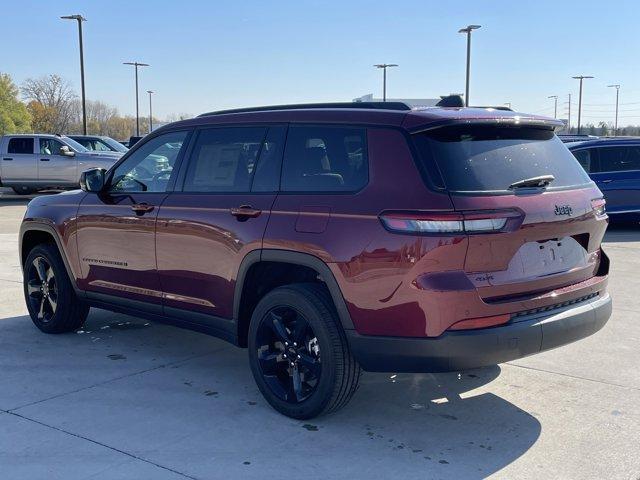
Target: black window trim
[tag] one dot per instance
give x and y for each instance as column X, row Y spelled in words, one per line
column 365, row 127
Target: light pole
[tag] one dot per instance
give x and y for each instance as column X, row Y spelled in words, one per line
column 384, row 67
column 150, row 92
column 569, row 116
column 137, row 64
column 615, row 128
column 468, row 29
column 80, row 19
column 581, row 78
column 555, row 105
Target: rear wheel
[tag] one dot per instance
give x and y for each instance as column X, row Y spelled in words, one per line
column 51, row 300
column 299, row 354
column 23, row 190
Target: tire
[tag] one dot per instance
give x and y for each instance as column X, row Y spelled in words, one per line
column 334, row 374
column 23, row 190
column 53, row 308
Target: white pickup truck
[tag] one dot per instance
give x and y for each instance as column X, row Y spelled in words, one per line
column 33, row 162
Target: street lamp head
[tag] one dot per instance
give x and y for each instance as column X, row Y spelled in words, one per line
column 78, row 17
column 615, row 85
column 552, row 96
column 385, row 65
column 469, row 28
column 580, row 77
column 137, row 64
column 150, row 92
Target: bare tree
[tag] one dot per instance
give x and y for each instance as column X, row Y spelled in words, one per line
column 55, row 96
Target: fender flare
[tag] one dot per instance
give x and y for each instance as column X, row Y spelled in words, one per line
column 31, row 225
column 294, row 258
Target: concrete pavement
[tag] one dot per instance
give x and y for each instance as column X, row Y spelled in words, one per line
column 128, row 399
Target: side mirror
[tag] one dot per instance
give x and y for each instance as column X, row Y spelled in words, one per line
column 92, row 180
column 66, row 151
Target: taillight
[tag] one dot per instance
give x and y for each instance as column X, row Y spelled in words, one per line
column 484, row 221
column 599, row 206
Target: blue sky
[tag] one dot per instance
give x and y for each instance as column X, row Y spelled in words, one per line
column 207, row 55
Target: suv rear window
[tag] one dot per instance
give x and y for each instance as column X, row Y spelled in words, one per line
column 489, row 158
column 20, row 145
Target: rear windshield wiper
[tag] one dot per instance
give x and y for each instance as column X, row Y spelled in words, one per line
column 539, row 181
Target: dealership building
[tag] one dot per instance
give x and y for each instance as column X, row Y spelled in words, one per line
column 413, row 102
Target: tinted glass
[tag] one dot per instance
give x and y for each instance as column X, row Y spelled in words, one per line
column 20, row 145
column 488, row 158
column 75, row 145
column 267, row 176
column 150, row 167
column 584, row 158
column 617, row 159
column 49, row 146
column 224, row 159
column 325, row 159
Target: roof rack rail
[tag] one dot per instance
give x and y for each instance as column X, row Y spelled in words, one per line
column 304, row 106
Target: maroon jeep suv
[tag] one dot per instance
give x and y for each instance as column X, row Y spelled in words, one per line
column 334, row 238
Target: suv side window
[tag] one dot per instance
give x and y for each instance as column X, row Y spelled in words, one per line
column 321, row 158
column 20, row 145
column 224, row 159
column 618, row 159
column 49, row 146
column 585, row 158
column 150, row 167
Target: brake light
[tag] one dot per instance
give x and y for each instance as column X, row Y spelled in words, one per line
column 599, row 206
column 485, row 221
column 482, row 322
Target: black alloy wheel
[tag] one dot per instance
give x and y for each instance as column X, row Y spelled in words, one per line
column 288, row 354
column 42, row 289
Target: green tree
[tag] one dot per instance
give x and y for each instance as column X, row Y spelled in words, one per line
column 14, row 117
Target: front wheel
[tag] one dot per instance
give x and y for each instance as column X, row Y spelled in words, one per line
column 299, row 354
column 51, row 300
column 23, row 190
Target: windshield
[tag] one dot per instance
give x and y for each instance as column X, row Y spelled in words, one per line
column 490, row 158
column 114, row 145
column 75, row 145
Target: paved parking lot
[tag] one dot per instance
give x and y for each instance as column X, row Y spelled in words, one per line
column 126, row 399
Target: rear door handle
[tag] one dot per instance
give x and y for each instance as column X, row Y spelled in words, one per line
column 141, row 208
column 245, row 211
column 7, row 159
column 606, row 181
column 44, row 159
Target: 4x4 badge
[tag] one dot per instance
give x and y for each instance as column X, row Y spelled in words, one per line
column 563, row 210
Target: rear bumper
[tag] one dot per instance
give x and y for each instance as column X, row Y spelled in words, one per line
column 460, row 350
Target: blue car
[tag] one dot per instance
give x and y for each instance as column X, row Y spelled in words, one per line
column 614, row 164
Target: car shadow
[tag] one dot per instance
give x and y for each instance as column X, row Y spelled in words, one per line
column 430, row 425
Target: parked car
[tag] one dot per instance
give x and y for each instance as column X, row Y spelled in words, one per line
column 331, row 239
column 99, row 143
column 569, row 138
column 614, row 164
column 36, row 162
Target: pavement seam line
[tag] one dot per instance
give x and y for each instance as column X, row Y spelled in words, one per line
column 574, row 376
column 104, row 445
column 115, row 379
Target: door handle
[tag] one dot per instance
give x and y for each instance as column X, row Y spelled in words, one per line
column 244, row 212
column 606, row 181
column 141, row 208
column 44, row 159
column 7, row 159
